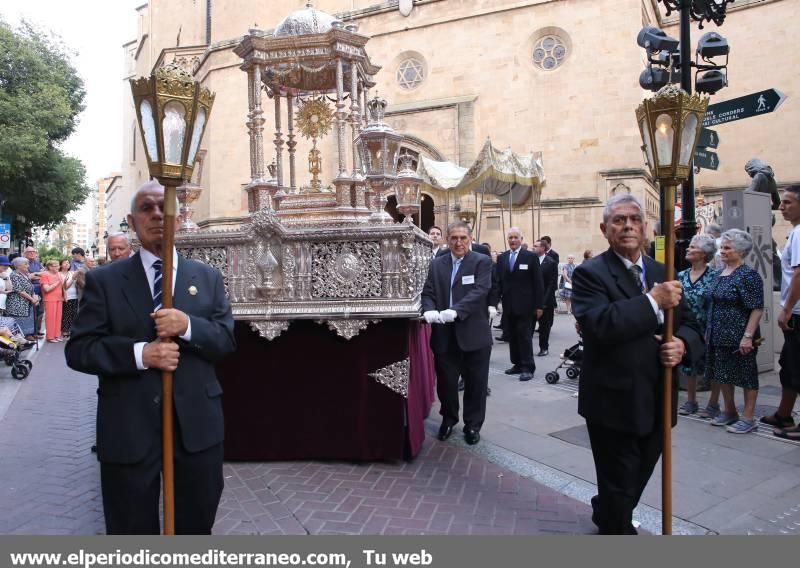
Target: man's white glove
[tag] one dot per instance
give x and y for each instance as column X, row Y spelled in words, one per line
column 448, row 316
column 492, row 312
column 432, row 317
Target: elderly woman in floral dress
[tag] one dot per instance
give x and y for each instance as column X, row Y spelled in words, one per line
column 735, row 306
column 695, row 282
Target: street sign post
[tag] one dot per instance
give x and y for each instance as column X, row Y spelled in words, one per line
column 708, row 138
column 756, row 104
column 5, row 235
column 706, row 159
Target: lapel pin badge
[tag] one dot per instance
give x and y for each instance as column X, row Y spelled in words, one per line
column 192, row 290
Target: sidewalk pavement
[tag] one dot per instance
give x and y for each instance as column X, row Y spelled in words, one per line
column 49, row 482
column 722, row 483
column 532, row 472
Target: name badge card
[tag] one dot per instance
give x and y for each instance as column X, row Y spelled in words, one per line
column 523, row 267
column 468, row 279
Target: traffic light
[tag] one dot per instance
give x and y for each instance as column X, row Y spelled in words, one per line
column 712, row 45
column 662, row 60
column 653, row 78
column 654, row 40
column 715, row 76
column 711, row 81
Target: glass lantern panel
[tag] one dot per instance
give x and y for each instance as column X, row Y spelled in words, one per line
column 374, row 156
column 688, row 135
column 393, row 151
column 648, row 149
column 174, row 127
column 197, row 133
column 149, row 128
column 665, row 135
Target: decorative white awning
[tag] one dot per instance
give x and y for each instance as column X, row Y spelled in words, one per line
column 494, row 172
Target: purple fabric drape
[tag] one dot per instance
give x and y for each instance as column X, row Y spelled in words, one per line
column 307, row 394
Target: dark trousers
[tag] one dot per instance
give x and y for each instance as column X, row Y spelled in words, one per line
column 37, row 317
column 545, row 325
column 473, row 366
column 519, row 332
column 623, row 464
column 131, row 491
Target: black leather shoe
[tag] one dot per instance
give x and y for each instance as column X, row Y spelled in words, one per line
column 488, row 391
column 94, row 449
column 471, row 436
column 513, row 370
column 595, row 514
column 498, row 326
column 526, row 376
column 444, row 432
column 461, row 384
column 501, row 338
column 543, row 353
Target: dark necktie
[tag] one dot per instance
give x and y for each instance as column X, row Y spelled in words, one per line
column 157, row 286
column 456, row 265
column 636, row 274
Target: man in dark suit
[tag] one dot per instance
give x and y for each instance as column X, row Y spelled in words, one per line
column 550, row 252
column 120, row 335
column 550, row 280
column 522, row 294
column 455, row 299
column 619, row 303
column 493, row 294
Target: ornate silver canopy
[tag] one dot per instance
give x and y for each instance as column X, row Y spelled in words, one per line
column 303, row 252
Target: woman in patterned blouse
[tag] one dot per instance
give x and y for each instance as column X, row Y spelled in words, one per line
column 695, row 282
column 735, row 306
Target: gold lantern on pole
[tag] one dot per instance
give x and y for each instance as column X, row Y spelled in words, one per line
column 172, row 110
column 670, row 124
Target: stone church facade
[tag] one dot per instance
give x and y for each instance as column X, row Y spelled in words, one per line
column 558, row 77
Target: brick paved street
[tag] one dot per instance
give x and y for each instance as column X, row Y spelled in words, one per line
column 49, row 480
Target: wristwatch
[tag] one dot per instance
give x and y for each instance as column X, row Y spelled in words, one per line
column 748, row 335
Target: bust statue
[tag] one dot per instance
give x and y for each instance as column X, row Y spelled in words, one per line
column 763, row 180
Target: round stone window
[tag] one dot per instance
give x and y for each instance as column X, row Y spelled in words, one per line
column 410, row 73
column 549, row 52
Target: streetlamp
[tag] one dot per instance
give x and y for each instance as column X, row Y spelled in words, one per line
column 123, row 226
column 94, row 250
column 699, row 11
column 670, row 124
column 172, row 110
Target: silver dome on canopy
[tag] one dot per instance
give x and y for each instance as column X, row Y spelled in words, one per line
column 306, row 21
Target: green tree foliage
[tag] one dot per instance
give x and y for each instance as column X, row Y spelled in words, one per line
column 41, row 96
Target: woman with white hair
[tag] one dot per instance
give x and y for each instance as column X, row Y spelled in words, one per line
column 21, row 300
column 736, row 304
column 696, row 281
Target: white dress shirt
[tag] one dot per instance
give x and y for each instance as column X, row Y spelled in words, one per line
column 640, row 263
column 148, row 258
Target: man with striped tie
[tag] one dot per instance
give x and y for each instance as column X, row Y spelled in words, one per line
column 619, row 298
column 118, row 336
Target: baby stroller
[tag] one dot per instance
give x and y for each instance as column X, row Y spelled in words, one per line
column 11, row 351
column 571, row 360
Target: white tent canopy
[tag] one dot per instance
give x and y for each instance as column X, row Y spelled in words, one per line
column 494, row 172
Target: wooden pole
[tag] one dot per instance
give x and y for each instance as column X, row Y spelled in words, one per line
column 167, row 459
column 666, row 457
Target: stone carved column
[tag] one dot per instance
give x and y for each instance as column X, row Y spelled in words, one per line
column 355, row 115
column 251, row 73
column 278, row 140
column 291, row 143
column 258, row 124
column 340, row 117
